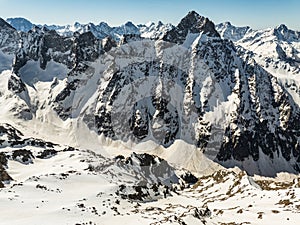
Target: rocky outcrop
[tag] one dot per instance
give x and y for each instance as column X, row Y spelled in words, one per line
column 4, row 177
column 23, row 156
column 152, row 169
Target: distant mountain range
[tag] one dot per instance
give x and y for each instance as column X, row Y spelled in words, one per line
column 271, row 46
column 100, row 31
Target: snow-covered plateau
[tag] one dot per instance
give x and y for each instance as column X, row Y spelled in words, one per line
column 149, row 124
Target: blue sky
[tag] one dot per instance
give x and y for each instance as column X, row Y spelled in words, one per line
column 256, row 13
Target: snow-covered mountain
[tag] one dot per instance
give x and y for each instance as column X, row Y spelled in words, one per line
column 134, row 114
column 185, row 84
column 153, row 30
column 276, row 49
column 228, row 31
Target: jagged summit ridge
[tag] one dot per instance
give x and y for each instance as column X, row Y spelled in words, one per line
column 196, row 23
column 282, row 32
column 191, row 23
column 231, row 32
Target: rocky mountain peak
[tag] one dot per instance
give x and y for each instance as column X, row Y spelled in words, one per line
column 129, row 24
column 196, row 24
column 282, row 27
column 9, row 39
column 282, row 32
column 159, row 24
column 77, row 24
column 104, row 25
column 191, row 23
column 127, row 28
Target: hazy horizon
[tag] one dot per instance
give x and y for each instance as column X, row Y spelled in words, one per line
column 255, row 13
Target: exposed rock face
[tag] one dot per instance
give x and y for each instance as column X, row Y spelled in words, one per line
column 12, row 137
column 150, row 177
column 23, row 156
column 107, row 44
column 153, row 170
column 3, row 174
column 9, row 38
column 130, row 37
column 42, row 45
column 85, row 48
column 189, row 178
column 9, row 132
column 48, row 153
column 192, row 23
column 3, row 159
column 265, row 121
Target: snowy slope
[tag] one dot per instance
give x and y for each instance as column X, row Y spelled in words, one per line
column 65, row 189
column 274, row 48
